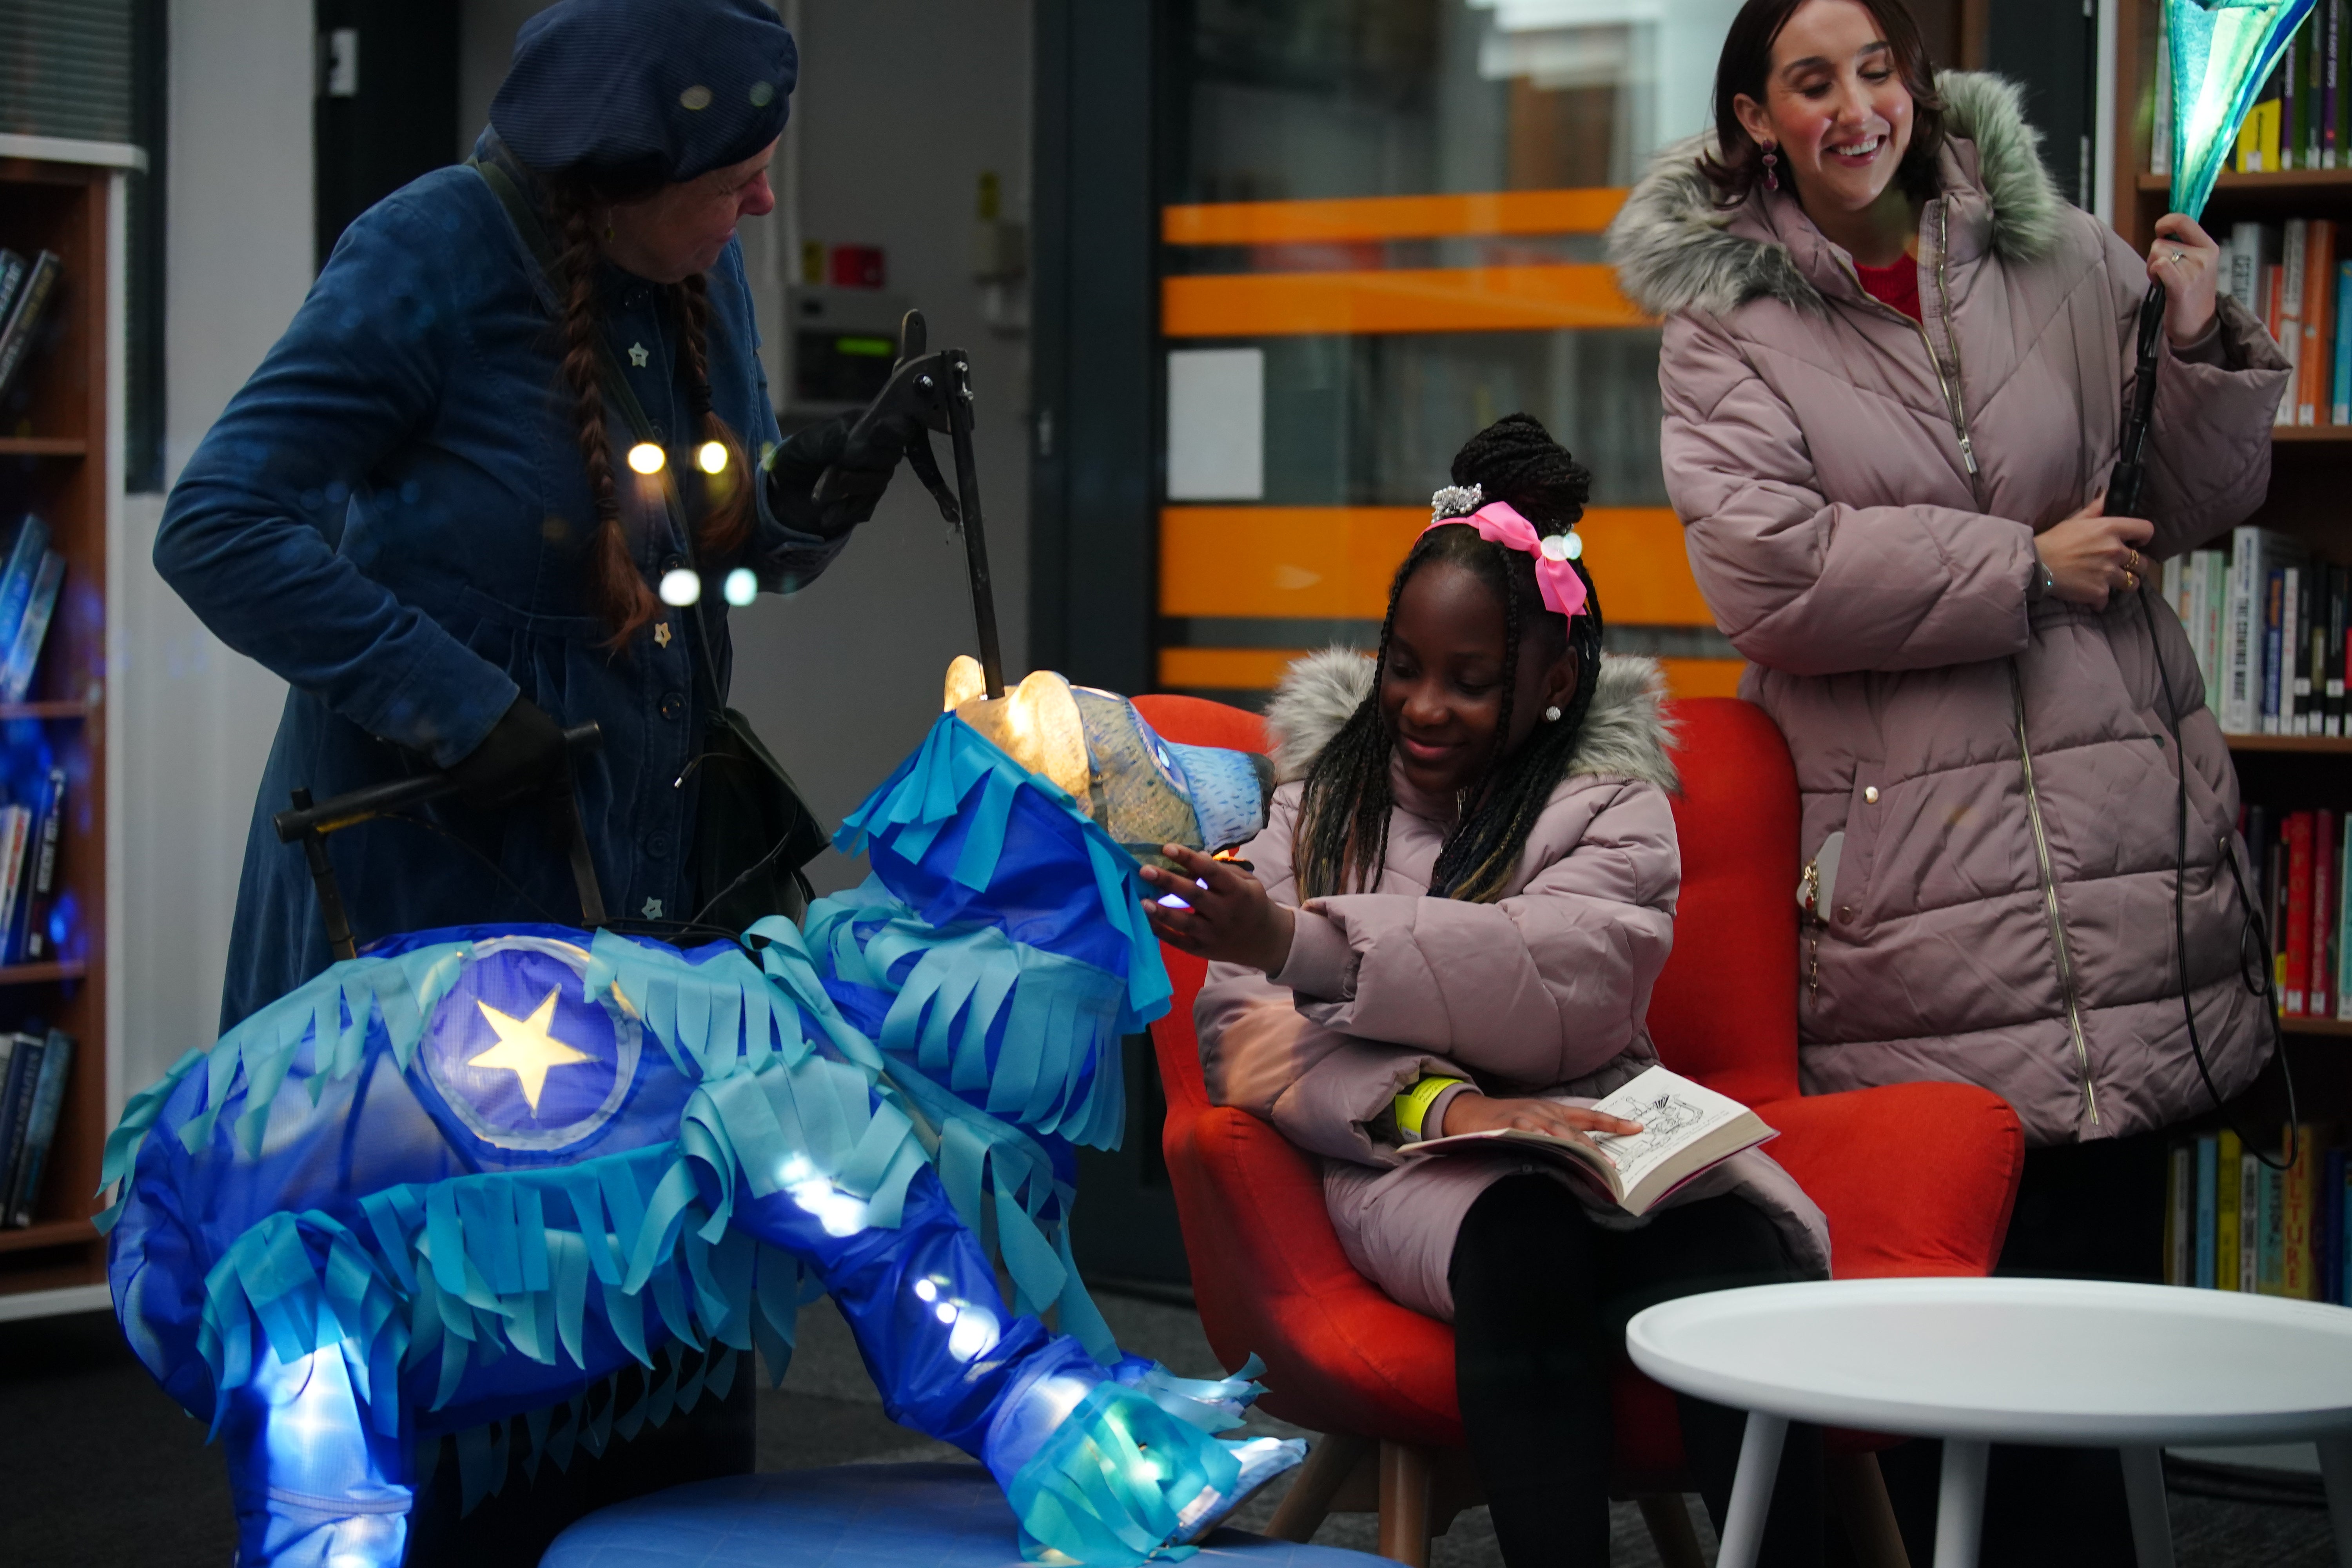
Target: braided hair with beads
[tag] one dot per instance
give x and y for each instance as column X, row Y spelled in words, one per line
column 1343, row 818
column 617, row 589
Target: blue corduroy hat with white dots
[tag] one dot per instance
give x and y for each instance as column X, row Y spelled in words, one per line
column 638, row 93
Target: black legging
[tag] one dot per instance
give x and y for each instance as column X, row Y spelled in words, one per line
column 1541, row 1295
column 2085, row 1211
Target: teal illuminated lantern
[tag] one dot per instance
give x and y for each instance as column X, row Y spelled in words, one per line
column 2222, row 52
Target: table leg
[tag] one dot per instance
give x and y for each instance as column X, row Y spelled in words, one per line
column 2151, row 1517
column 1959, row 1503
column 2335, row 1470
column 1751, row 1491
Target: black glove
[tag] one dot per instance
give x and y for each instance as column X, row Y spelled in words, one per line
column 792, row 475
column 522, row 754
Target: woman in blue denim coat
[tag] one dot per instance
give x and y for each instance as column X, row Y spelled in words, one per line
column 416, row 512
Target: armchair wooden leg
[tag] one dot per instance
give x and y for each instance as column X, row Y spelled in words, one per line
column 1857, row 1494
column 1668, row 1517
column 1331, row 1461
column 1405, row 1472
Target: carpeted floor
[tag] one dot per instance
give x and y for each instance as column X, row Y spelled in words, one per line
column 101, row 1470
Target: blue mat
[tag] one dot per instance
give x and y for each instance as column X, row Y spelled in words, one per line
column 855, row 1516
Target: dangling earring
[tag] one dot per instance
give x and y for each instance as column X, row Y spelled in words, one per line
column 1771, row 170
column 1551, row 715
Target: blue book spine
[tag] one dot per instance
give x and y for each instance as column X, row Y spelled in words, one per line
column 2274, row 643
column 32, row 629
column 2330, row 1229
column 17, row 584
column 2340, row 399
column 24, row 1063
column 28, row 937
column 41, row 1128
column 2209, row 1213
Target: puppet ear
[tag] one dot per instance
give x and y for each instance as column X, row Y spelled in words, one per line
column 965, row 681
column 1036, row 725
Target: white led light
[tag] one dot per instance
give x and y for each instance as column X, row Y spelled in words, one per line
column 680, row 588
column 712, row 456
column 741, row 586
column 647, row 458
column 945, row 1311
column 926, row 1292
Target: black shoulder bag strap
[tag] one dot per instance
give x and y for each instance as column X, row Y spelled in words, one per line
column 753, row 831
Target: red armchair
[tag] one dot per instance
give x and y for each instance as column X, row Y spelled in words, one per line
column 1915, row 1179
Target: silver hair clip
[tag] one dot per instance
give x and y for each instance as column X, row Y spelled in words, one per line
column 1457, row 500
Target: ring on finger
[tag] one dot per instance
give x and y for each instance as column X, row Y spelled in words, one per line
column 2131, row 582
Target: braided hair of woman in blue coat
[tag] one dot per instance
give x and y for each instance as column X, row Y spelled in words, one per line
column 414, row 514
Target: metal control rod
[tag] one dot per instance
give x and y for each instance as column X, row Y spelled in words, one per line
column 310, row 824
column 975, row 538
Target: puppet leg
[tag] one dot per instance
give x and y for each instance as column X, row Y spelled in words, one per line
column 315, row 1486
column 1045, row 1417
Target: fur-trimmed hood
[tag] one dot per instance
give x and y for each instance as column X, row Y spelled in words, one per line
column 1675, row 250
column 1626, row 732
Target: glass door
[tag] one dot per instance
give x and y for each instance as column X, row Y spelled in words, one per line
column 1383, row 230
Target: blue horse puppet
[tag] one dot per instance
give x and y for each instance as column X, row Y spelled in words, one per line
column 452, row 1186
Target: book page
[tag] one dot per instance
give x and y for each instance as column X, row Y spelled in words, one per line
column 1674, row 1112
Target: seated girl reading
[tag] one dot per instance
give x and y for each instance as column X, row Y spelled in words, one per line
column 1459, row 907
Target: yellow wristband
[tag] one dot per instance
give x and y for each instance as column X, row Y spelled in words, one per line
column 1414, row 1103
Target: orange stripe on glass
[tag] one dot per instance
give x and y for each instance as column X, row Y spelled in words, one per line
column 1412, row 300
column 1391, row 217
column 1334, row 562
column 1259, row 668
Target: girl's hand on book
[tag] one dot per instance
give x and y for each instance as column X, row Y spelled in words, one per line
column 1470, row 1111
column 2185, row 259
column 1231, row 919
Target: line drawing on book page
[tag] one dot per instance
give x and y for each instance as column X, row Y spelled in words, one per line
column 1664, row 1117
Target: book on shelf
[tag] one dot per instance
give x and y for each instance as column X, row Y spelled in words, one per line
column 29, row 939
column 24, row 1053
column 26, row 313
column 47, row 1103
column 2300, row 880
column 13, row 269
column 2234, row 1221
column 1686, row 1129
column 24, row 650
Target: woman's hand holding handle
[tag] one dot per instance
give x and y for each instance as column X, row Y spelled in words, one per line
column 1470, row 1111
column 2091, row 555
column 2185, row 259
column 1231, row 920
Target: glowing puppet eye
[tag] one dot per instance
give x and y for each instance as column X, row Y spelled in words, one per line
column 680, row 588
column 712, row 456
column 647, row 458
column 741, row 586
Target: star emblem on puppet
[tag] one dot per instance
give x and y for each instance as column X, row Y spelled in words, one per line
column 526, row 1049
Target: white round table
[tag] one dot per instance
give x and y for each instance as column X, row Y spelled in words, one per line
column 2079, row 1364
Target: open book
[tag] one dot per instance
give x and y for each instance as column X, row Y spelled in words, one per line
column 1685, row 1130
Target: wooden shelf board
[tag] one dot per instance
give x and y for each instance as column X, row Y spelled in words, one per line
column 58, row 710
column 43, row 446
column 2337, row 1027
column 2277, row 180
column 2301, row 433
column 2325, row 745
column 48, row 1233
column 37, row 974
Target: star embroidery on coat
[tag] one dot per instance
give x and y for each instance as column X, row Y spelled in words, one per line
column 638, row 356
column 652, row 911
column 661, row 634
column 526, row 1049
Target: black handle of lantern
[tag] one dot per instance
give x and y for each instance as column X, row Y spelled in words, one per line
column 975, row 538
column 2130, row 472
column 311, row 822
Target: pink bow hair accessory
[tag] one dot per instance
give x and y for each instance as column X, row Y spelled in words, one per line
column 1556, row 578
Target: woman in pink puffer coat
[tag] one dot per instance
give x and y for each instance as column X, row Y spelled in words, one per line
column 1893, row 374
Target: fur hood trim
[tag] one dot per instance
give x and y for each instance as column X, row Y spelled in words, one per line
column 1673, row 248
column 1627, row 731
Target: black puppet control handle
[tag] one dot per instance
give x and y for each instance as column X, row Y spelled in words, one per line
column 2130, row 473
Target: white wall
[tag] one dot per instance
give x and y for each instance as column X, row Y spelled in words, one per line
column 197, row 719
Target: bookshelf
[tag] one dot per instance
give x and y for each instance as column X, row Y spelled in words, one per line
column 60, row 455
